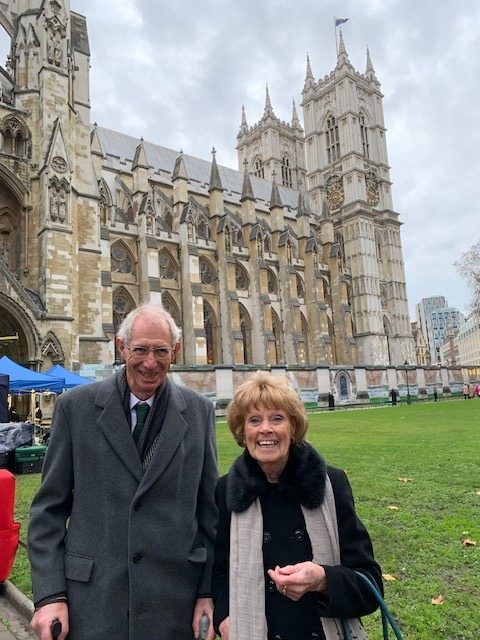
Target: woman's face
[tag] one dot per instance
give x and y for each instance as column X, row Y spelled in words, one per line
column 268, row 434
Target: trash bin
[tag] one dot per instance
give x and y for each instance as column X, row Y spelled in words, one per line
column 9, row 529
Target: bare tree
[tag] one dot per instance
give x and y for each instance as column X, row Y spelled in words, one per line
column 468, row 268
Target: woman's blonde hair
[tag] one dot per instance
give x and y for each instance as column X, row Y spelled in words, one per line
column 265, row 390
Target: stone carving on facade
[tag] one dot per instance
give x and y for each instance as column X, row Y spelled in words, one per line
column 52, row 348
column 58, row 196
column 5, row 95
column 191, row 236
column 260, row 247
column 335, row 192
column 5, row 243
column 56, row 33
column 59, row 164
column 228, row 240
column 371, row 186
column 289, row 252
column 105, row 201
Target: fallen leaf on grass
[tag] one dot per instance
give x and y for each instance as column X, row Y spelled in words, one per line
column 438, row 600
column 469, row 543
column 388, row 577
column 392, row 507
column 405, row 479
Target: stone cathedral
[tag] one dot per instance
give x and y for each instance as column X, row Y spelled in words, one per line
column 294, row 258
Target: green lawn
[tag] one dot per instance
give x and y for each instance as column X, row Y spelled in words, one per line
column 437, row 446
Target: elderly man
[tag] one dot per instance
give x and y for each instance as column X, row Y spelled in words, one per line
column 122, row 528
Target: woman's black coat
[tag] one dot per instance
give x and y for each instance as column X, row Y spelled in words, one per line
column 302, row 482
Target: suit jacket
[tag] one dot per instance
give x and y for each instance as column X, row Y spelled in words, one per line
column 132, row 549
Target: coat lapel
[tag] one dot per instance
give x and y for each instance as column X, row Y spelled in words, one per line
column 171, row 435
column 114, row 425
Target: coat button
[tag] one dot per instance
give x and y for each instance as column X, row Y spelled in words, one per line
column 267, row 536
column 315, row 636
column 137, row 557
column 271, row 586
column 299, row 535
column 277, row 637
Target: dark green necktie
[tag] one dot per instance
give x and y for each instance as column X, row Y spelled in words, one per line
column 142, row 409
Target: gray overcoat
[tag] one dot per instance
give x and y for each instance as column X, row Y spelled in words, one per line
column 132, row 549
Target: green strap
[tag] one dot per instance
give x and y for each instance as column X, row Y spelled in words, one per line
column 387, row 618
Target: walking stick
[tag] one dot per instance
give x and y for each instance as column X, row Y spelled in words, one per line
column 55, row 628
column 204, row 624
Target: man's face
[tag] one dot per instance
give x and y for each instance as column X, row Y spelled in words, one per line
column 145, row 373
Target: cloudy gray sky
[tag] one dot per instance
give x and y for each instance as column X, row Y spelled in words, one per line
column 177, row 73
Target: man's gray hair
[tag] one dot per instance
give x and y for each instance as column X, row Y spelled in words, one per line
column 153, row 311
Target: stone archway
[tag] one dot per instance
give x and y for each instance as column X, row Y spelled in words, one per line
column 21, row 342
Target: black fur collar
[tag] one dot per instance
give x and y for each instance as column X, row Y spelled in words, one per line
column 303, row 479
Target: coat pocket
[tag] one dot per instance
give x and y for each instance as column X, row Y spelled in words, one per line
column 198, row 555
column 78, row 568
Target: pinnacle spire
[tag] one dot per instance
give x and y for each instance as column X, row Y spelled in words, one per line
column 369, row 70
column 303, row 208
column 295, row 120
column 247, row 191
column 179, row 170
column 275, row 200
column 309, row 79
column 140, row 157
column 268, row 111
column 309, row 73
column 215, row 181
column 342, row 57
column 369, row 61
column 243, row 122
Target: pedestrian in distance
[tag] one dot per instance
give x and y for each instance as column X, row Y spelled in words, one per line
column 331, row 402
column 122, row 528
column 38, row 412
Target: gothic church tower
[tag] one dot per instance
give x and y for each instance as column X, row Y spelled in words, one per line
column 51, row 277
column 273, row 147
column 348, row 181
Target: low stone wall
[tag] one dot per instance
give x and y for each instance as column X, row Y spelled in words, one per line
column 349, row 384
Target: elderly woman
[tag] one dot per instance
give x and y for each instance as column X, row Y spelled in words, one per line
column 288, row 541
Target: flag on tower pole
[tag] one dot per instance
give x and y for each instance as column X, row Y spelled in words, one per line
column 338, row 22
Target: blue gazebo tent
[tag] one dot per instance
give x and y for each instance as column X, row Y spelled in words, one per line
column 71, row 379
column 23, row 380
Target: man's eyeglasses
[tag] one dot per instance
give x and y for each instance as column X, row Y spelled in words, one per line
column 160, row 353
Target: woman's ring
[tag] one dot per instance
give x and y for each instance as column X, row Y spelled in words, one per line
column 284, row 590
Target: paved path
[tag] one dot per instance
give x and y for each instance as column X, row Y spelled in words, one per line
column 13, row 624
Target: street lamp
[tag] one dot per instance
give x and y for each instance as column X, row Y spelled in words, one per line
column 409, row 400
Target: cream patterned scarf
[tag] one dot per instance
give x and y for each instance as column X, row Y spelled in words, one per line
column 247, row 580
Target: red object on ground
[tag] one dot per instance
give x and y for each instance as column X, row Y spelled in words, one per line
column 9, row 529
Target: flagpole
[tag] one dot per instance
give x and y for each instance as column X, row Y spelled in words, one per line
column 336, row 40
